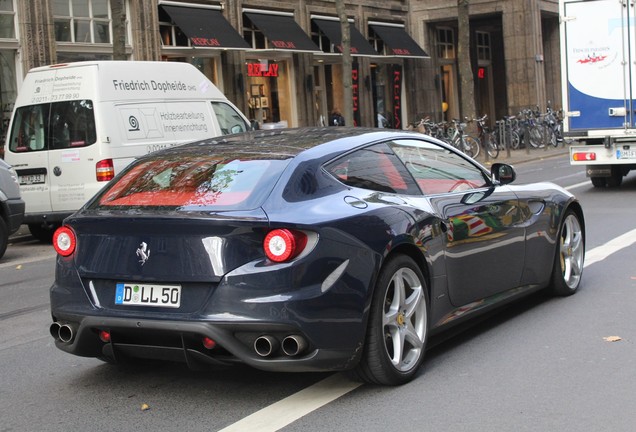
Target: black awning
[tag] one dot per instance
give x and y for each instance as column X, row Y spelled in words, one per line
column 206, row 28
column 282, row 32
column 399, row 42
column 333, row 30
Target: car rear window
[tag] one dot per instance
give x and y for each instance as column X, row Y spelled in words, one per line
column 193, row 182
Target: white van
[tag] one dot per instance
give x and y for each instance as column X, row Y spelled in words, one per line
column 76, row 125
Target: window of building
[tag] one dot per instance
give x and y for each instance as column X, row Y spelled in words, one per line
column 321, row 40
column 445, row 43
column 7, row 19
column 171, row 34
column 483, row 46
column 253, row 35
column 82, row 21
column 376, row 42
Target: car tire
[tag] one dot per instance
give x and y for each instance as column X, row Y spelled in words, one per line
column 398, row 325
column 42, row 233
column 569, row 257
column 4, row 237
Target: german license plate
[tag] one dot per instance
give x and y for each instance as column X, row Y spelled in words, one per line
column 31, row 179
column 133, row 294
column 626, row 154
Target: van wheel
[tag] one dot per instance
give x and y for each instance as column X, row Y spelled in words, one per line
column 4, row 237
column 44, row 233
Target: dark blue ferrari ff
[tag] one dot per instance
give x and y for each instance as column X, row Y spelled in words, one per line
column 313, row 249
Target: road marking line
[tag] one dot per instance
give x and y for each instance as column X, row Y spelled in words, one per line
column 601, row 252
column 578, row 185
column 290, row 409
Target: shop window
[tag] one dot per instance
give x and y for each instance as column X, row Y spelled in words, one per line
column 82, row 21
column 7, row 19
column 445, row 43
column 483, row 46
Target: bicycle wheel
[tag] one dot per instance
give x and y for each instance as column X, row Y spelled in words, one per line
column 491, row 146
column 469, row 145
column 535, row 137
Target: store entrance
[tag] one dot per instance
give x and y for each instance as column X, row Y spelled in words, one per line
column 268, row 93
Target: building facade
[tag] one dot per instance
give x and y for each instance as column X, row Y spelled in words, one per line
column 281, row 61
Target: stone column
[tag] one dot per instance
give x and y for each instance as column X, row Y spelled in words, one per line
column 37, row 33
column 144, row 24
column 523, row 52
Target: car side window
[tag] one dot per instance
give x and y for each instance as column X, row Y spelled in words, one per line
column 375, row 168
column 230, row 121
column 438, row 170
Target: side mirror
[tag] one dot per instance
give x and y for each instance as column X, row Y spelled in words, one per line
column 503, row 173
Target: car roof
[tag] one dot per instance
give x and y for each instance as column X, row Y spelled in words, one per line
column 286, row 142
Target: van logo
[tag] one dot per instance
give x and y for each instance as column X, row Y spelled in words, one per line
column 134, row 124
column 143, row 253
column 57, row 171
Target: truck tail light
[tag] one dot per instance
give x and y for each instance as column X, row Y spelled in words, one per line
column 583, row 156
column 105, row 170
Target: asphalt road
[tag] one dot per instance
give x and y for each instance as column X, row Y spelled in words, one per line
column 541, row 365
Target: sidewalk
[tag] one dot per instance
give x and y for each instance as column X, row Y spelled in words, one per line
column 525, row 155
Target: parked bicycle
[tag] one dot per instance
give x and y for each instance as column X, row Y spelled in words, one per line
column 458, row 138
column 486, row 137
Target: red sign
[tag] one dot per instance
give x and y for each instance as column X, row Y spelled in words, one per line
column 283, row 44
column 401, row 51
column 355, row 90
column 200, row 41
column 481, row 73
column 397, row 96
column 262, row 69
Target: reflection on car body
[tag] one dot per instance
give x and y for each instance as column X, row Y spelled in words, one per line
column 304, row 250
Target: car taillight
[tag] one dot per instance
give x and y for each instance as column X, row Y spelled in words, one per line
column 64, row 241
column 283, row 244
column 104, row 170
column 583, row 156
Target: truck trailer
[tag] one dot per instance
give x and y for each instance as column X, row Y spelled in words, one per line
column 598, row 72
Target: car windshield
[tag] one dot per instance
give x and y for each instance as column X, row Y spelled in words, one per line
column 194, row 182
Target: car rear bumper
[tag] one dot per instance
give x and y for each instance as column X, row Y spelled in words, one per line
column 182, row 341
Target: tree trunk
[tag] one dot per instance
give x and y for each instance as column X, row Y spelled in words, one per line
column 347, row 109
column 118, row 12
column 466, row 82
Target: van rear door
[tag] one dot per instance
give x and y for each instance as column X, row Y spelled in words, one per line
column 75, row 159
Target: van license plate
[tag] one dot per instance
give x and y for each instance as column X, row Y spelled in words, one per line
column 31, row 179
column 131, row 294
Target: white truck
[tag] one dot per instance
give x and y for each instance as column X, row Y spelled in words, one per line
column 76, row 125
column 598, row 72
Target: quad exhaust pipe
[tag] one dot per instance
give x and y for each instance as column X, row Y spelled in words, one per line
column 64, row 332
column 267, row 345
